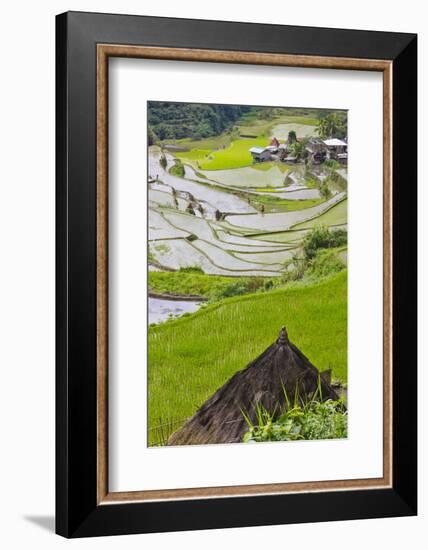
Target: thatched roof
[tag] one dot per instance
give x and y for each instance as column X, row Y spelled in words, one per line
column 281, row 369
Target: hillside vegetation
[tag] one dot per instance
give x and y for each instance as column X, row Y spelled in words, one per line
column 169, row 120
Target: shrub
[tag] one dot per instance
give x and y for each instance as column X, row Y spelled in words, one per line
column 313, row 420
column 234, row 289
column 334, row 181
column 191, row 269
column 240, row 287
column 163, row 161
column 322, row 237
column 325, row 263
column 325, row 191
column 332, row 164
column 177, row 169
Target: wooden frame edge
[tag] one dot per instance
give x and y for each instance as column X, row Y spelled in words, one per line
column 104, row 51
column 102, row 275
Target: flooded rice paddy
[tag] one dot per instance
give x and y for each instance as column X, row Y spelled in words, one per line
column 209, row 223
column 160, row 309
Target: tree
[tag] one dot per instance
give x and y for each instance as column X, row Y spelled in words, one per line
column 152, row 138
column 332, row 125
column 325, row 191
column 163, row 161
column 297, row 149
column 292, row 137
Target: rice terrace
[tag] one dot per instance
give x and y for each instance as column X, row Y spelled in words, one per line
column 247, row 273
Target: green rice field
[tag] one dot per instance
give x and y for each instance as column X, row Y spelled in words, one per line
column 236, row 155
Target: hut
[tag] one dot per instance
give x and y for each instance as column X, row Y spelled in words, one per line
column 337, row 149
column 273, row 380
column 317, row 150
column 282, row 151
column 260, row 154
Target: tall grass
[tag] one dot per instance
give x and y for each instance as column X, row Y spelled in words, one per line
column 190, row 358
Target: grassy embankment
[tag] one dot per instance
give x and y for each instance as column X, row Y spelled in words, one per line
column 277, row 204
column 191, row 357
column 191, row 281
column 337, row 215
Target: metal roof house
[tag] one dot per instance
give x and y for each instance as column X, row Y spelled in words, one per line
column 260, row 154
column 337, row 149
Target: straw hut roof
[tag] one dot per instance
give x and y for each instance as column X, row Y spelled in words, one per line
column 281, row 369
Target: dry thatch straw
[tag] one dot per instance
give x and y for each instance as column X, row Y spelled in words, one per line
column 274, row 380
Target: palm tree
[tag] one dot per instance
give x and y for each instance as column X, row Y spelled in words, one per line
column 330, row 126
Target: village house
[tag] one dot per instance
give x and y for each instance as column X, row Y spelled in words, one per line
column 260, row 154
column 337, row 149
column 282, row 151
column 317, row 150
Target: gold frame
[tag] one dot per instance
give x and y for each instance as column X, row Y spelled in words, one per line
column 104, row 52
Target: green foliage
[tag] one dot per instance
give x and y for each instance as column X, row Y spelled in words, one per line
column 298, row 149
column 177, row 169
column 163, row 161
column 320, row 259
column 313, row 420
column 292, row 137
column 326, row 263
column 152, row 138
column 332, row 164
column 325, row 190
column 336, row 182
column 240, row 287
column 191, row 269
column 195, row 120
column 193, row 281
column 332, row 125
column 321, row 237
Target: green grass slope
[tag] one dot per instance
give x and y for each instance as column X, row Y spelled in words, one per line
column 193, row 356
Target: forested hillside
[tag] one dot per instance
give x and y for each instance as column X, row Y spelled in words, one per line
column 179, row 120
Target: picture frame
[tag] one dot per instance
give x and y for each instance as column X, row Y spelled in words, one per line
column 84, row 44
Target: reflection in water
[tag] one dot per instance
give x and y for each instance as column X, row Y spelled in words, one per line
column 160, row 309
